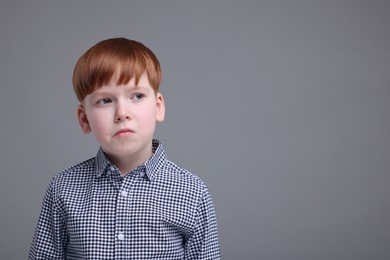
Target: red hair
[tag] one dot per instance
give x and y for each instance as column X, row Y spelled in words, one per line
column 118, row 57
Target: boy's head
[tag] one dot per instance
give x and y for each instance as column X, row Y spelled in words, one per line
column 116, row 82
column 117, row 58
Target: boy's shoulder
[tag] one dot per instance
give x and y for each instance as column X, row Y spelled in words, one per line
column 170, row 171
column 78, row 173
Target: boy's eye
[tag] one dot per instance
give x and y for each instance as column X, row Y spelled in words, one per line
column 138, row 96
column 104, row 101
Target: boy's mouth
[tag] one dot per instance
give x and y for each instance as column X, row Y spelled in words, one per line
column 124, row 132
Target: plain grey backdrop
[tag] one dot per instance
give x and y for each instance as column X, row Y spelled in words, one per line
column 282, row 107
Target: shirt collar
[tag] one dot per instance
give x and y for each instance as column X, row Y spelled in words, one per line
column 151, row 166
column 156, row 161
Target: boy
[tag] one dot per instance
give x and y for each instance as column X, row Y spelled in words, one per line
column 128, row 202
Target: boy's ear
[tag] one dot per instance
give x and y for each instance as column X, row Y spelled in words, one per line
column 83, row 120
column 160, row 108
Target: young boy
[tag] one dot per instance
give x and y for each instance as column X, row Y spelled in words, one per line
column 128, row 202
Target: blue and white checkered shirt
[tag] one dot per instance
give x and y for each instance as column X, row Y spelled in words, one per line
column 158, row 211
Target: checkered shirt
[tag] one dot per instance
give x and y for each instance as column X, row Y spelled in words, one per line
column 158, row 211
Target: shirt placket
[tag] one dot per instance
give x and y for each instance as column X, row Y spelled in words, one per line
column 123, row 239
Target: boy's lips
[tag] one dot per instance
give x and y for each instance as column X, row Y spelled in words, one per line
column 124, row 132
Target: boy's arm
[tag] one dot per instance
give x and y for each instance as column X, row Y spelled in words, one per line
column 203, row 244
column 49, row 237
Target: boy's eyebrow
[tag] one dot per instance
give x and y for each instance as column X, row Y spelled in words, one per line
column 100, row 92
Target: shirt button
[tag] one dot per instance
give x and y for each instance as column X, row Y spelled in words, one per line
column 121, row 236
column 124, row 193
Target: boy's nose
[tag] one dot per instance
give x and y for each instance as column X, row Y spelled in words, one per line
column 121, row 118
column 121, row 114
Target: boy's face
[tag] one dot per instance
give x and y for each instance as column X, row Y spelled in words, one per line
column 123, row 119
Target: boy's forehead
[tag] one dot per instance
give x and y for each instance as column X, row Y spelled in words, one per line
column 143, row 84
column 106, row 88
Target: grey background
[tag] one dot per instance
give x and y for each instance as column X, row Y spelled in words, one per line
column 282, row 107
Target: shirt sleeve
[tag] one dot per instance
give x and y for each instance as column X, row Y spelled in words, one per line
column 49, row 238
column 203, row 243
